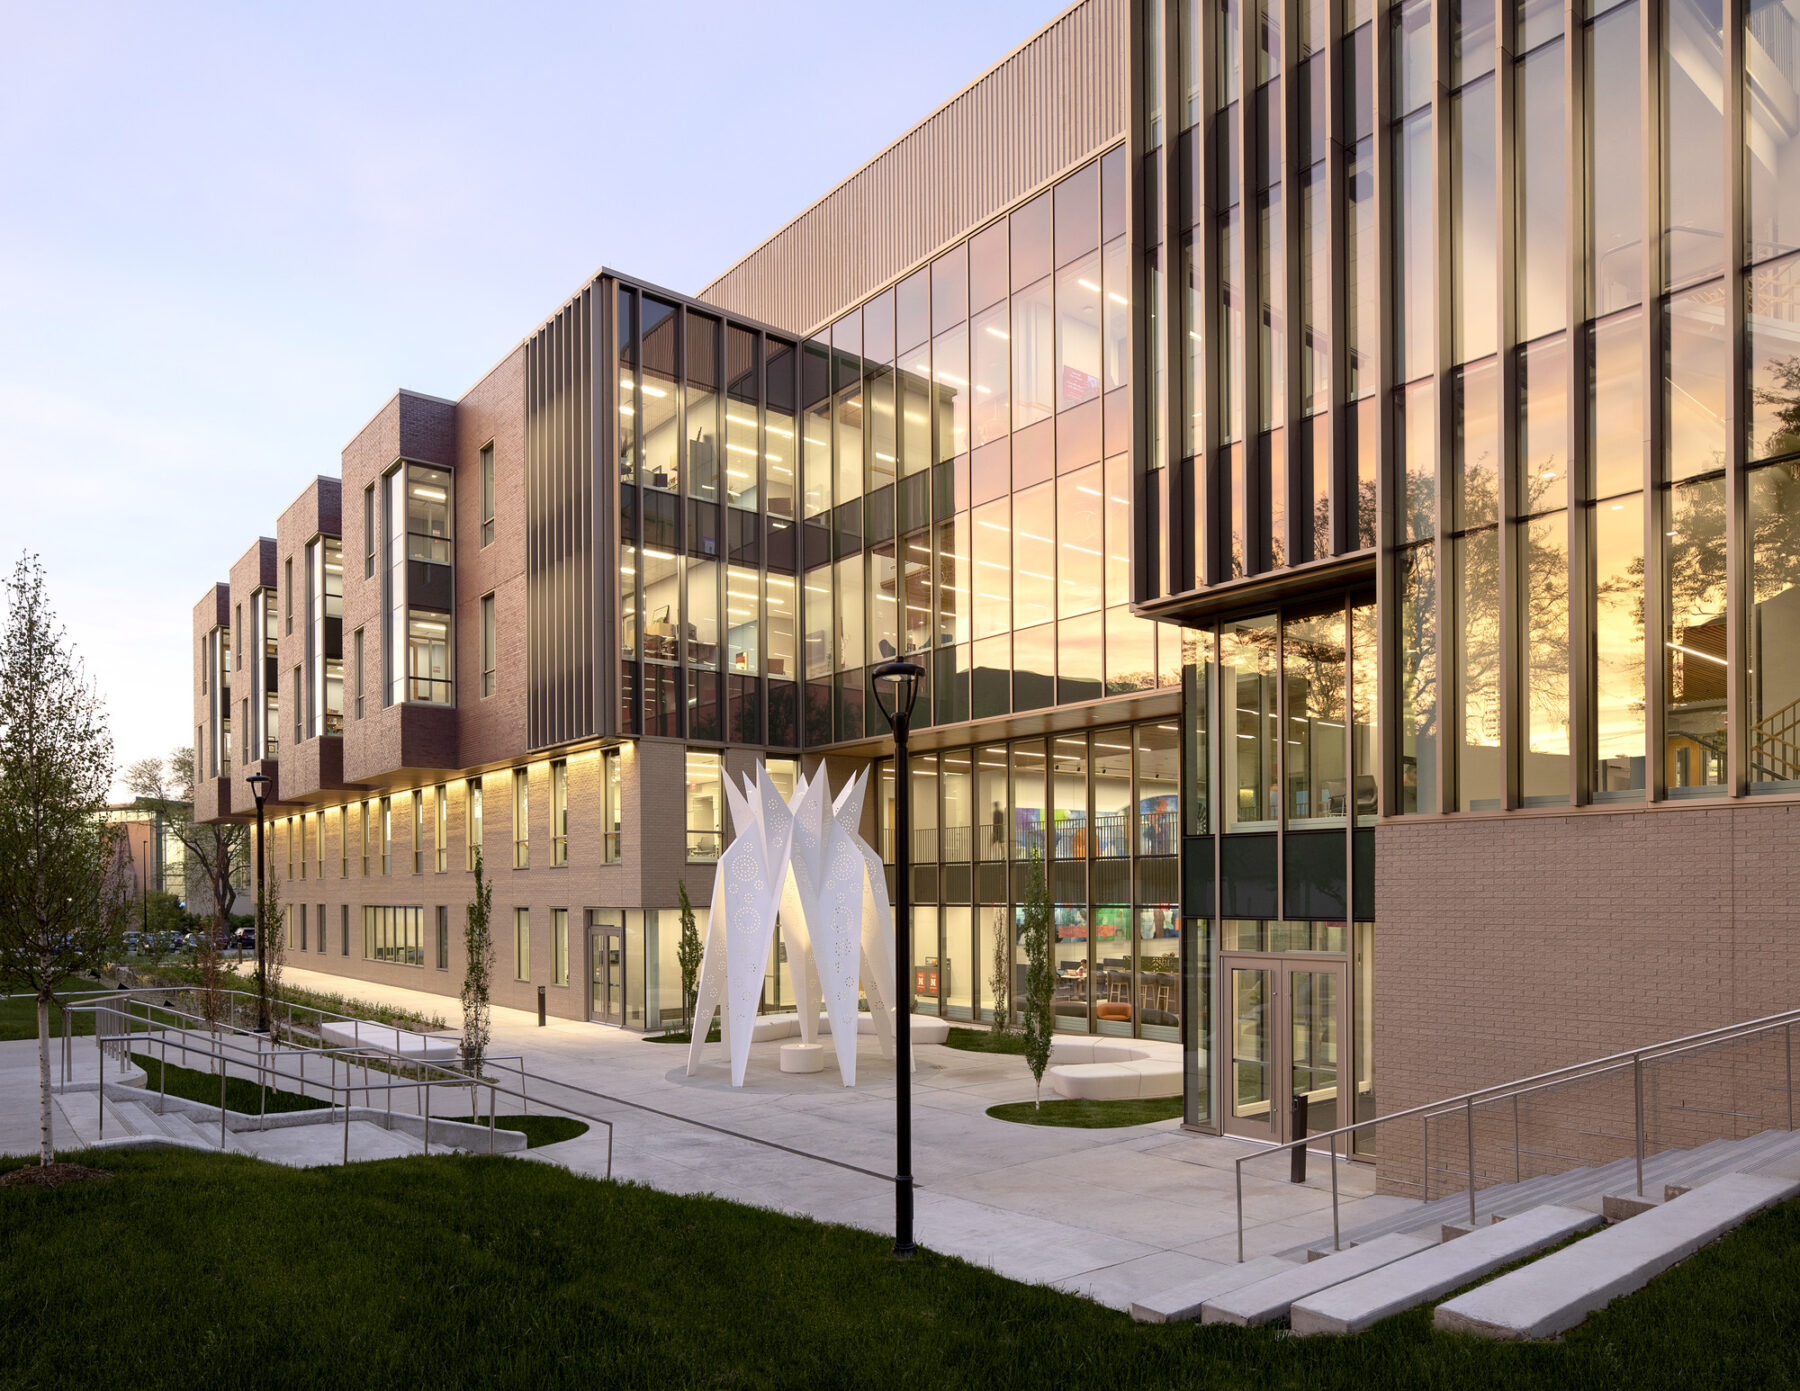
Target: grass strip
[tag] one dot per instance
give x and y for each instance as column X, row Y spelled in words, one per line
column 241, row 1094
column 466, row 1271
column 1079, row 1114
column 986, row 1041
column 18, row 1016
column 537, row 1130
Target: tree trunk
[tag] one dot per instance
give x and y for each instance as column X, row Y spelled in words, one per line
column 46, row 1142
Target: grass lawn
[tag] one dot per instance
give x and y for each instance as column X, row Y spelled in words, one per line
column 241, row 1094
column 986, row 1041
column 18, row 1018
column 537, row 1130
column 1090, row 1115
column 476, row 1272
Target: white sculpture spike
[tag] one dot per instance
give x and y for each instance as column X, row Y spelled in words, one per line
column 803, row 968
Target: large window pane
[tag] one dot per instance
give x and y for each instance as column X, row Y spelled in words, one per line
column 1068, row 792
column 1317, row 748
column 1116, row 310
column 1472, row 191
column 819, row 628
column 1477, row 643
column 1543, row 427
column 990, row 368
column 742, row 598
column 782, row 623
column 1616, row 404
column 1475, row 470
column 1617, row 653
column 956, row 784
column 1694, row 642
column 1772, row 126
column 816, row 428
column 1697, row 373
column 1033, row 355
column 1111, row 776
column 1415, row 574
column 1229, row 352
column 992, row 568
column 1542, row 194
column 1078, row 332
column 1360, row 308
column 1544, row 658
column 1080, row 567
column 1247, row 677
column 1028, row 800
column 950, row 391
column 705, row 806
column 1615, row 161
column 1774, row 350
column 1414, row 300
column 1774, row 671
column 660, row 390
column 1693, row 60
column 781, row 441
column 703, row 613
column 850, row 613
column 1159, row 788
column 1315, row 291
column 1034, row 556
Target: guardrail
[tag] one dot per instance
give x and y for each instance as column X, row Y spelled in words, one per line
column 1464, row 1106
column 261, row 1057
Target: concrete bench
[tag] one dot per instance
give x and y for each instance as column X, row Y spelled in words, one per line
column 1553, row 1294
column 1413, row 1280
column 1112, row 1069
column 398, row 1043
column 1184, row 1301
column 1270, row 1299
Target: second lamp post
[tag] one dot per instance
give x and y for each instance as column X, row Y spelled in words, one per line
column 906, row 677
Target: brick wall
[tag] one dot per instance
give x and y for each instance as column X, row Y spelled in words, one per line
column 1511, row 946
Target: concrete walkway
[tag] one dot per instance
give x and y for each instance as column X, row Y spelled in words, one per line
column 1113, row 1214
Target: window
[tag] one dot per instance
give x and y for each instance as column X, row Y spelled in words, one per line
column 287, row 593
column 610, row 809
column 299, row 707
column 394, row 934
column 521, row 811
column 559, row 923
column 387, row 835
column 472, row 818
column 440, row 827
column 303, row 845
column 487, row 494
column 324, row 665
column 443, row 937
column 428, row 677
column 559, row 813
column 490, row 645
column 319, row 835
column 369, row 532
column 302, row 927
column 287, row 829
column 368, row 829
column 522, row 944
column 705, row 798
column 344, row 842
column 418, row 831
column 319, row 918
column 356, row 643
column 344, row 930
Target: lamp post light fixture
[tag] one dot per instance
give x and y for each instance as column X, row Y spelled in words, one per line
column 259, row 787
column 906, row 677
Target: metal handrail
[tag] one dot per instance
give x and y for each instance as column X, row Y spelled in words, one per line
column 264, row 1064
column 1466, row 1102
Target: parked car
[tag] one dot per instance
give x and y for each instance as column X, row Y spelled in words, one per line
column 131, row 941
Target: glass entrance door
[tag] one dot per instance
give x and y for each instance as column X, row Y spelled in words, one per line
column 1286, row 1022
column 606, row 957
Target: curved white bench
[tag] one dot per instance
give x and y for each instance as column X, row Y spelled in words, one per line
column 1110, row 1069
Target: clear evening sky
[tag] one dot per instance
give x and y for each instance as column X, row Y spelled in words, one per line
column 229, row 232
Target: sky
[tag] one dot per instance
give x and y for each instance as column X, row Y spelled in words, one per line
column 228, row 233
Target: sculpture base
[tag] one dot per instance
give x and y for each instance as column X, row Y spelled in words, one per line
column 802, row 1057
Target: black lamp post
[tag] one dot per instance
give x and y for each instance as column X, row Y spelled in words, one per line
column 259, row 786
column 906, row 677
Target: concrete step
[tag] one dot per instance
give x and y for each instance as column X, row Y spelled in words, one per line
column 1430, row 1274
column 1552, row 1295
column 1184, row 1301
column 1270, row 1299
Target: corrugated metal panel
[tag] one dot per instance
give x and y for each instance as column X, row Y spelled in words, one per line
column 1057, row 100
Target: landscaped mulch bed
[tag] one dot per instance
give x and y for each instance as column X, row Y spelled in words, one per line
column 49, row 1175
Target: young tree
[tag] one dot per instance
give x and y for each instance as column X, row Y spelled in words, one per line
column 1000, row 976
column 688, row 954
column 219, row 852
column 63, row 906
column 273, row 954
column 1037, row 929
column 478, row 973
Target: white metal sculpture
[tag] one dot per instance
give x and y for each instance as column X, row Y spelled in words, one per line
column 830, row 888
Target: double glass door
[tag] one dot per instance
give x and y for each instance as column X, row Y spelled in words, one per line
column 1285, row 1019
column 606, row 957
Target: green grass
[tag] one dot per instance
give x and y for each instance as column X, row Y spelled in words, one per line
column 18, row 1017
column 241, row 1094
column 986, row 1041
column 681, row 1036
column 1090, row 1115
column 537, row 1130
column 475, row 1272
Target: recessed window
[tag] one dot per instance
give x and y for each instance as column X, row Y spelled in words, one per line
column 705, row 805
column 521, row 810
column 387, row 835
column 472, row 817
column 610, row 811
column 522, row 944
column 490, row 645
column 369, row 534
column 559, row 814
column 487, row 494
column 440, row 827
column 418, row 831
column 559, row 926
column 443, row 937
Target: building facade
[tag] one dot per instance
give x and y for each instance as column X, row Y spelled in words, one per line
column 1338, row 465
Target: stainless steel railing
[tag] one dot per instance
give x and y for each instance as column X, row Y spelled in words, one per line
column 1464, row 1106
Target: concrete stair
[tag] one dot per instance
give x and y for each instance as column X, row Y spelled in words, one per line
column 1585, row 1187
column 1552, row 1295
column 1271, row 1298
